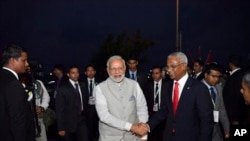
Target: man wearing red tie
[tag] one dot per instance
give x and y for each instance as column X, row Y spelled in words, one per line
column 187, row 106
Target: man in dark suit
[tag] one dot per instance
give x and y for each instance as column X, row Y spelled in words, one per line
column 233, row 99
column 71, row 108
column 133, row 73
column 16, row 118
column 198, row 69
column 187, row 107
column 92, row 118
column 155, row 90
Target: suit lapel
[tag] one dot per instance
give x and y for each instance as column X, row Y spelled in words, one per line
column 184, row 94
column 169, row 97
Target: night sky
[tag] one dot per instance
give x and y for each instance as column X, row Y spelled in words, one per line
column 70, row 31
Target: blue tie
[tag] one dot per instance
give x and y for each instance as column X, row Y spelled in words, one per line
column 213, row 94
column 133, row 76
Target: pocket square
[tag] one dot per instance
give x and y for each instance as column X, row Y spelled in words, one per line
column 132, row 98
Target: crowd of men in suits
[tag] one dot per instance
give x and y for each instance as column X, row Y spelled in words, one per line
column 201, row 105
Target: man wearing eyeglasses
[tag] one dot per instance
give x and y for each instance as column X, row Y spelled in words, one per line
column 187, row 108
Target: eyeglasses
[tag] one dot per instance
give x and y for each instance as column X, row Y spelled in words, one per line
column 173, row 66
column 116, row 69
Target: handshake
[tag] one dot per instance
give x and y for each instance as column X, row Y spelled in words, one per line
column 140, row 129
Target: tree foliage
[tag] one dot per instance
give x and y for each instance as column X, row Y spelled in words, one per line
column 122, row 45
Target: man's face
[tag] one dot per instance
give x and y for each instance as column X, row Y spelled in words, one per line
column 245, row 90
column 213, row 77
column 57, row 73
column 73, row 74
column 116, row 70
column 197, row 67
column 90, row 72
column 20, row 64
column 132, row 64
column 156, row 74
column 175, row 68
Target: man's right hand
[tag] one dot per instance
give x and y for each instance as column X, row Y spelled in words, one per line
column 139, row 129
column 61, row 133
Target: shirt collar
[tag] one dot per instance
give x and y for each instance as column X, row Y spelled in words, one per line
column 203, row 80
column 73, row 82
column 159, row 82
column 197, row 74
column 134, row 72
column 183, row 80
column 93, row 79
column 232, row 72
column 12, row 72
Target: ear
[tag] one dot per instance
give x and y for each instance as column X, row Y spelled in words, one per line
column 205, row 75
column 12, row 61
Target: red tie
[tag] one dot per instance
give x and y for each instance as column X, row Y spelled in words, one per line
column 176, row 97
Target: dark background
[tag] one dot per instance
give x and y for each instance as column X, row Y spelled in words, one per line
column 70, row 31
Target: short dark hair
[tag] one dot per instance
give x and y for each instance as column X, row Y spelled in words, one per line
column 212, row 66
column 132, row 57
column 200, row 62
column 12, row 51
column 235, row 60
column 157, row 67
column 72, row 67
column 89, row 65
column 59, row 67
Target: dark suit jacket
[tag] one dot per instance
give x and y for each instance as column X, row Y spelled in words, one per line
column 200, row 77
column 194, row 116
column 149, row 94
column 66, row 108
column 92, row 117
column 156, row 134
column 233, row 99
column 16, row 118
column 141, row 78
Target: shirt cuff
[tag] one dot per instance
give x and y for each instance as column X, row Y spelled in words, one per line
column 128, row 126
column 145, row 137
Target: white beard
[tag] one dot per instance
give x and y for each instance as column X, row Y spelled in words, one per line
column 117, row 80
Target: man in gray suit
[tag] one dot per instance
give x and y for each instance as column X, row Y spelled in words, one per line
column 211, row 79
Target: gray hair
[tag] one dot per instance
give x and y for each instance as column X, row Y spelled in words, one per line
column 114, row 58
column 181, row 56
column 246, row 78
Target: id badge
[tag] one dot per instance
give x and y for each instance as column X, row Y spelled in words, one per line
column 155, row 107
column 91, row 100
column 216, row 116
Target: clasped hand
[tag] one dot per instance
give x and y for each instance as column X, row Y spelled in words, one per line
column 140, row 129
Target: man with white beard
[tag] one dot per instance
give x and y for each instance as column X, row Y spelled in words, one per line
column 120, row 104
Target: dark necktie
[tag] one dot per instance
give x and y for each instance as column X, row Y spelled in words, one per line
column 156, row 93
column 213, row 94
column 133, row 76
column 176, row 97
column 195, row 76
column 79, row 102
column 90, row 88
